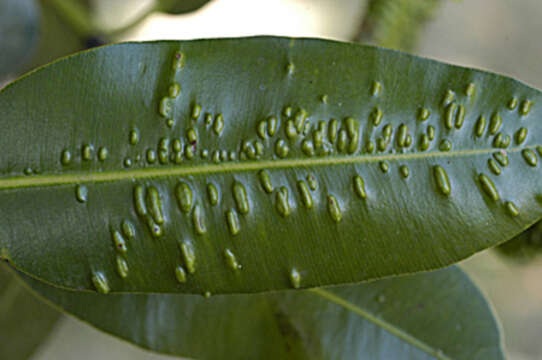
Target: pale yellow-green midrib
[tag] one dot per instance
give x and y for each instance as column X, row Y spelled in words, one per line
column 240, row 166
column 390, row 328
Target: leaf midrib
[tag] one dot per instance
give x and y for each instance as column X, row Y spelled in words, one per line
column 401, row 334
column 206, row 168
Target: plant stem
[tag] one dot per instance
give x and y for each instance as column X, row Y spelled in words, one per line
column 395, row 24
column 75, row 16
column 78, row 18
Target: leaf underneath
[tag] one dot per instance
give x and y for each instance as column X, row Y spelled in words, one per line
column 432, row 315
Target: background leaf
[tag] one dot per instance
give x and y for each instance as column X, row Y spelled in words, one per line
column 525, row 247
column 57, row 36
column 149, row 168
column 432, row 315
column 26, row 322
column 19, row 32
column 396, row 24
column 180, row 6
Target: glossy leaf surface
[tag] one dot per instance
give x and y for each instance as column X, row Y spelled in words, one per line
column 25, row 321
column 246, row 165
column 425, row 316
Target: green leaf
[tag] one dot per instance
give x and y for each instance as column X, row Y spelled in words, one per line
column 248, row 165
column 25, row 321
column 432, row 315
column 19, row 25
column 180, row 6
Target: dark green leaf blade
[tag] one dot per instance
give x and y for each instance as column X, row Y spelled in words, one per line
column 129, row 163
column 25, row 321
column 432, row 315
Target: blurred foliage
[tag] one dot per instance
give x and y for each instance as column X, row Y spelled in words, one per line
column 180, row 6
column 524, row 247
column 57, row 38
column 76, row 14
column 19, row 32
column 396, row 24
column 175, row 7
column 26, row 321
